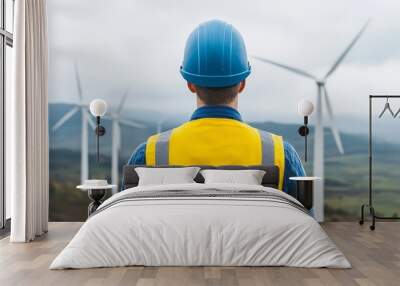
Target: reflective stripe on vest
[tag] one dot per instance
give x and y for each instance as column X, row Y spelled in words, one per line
column 273, row 153
column 268, row 153
column 162, row 148
column 158, row 149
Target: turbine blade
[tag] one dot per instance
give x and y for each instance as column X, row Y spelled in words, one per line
column 65, row 118
column 78, row 82
column 347, row 50
column 335, row 131
column 132, row 123
column 286, row 67
column 122, row 102
column 90, row 119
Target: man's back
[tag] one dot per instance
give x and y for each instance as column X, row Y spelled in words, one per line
column 210, row 141
column 216, row 135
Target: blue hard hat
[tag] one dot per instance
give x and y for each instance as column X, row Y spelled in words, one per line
column 215, row 56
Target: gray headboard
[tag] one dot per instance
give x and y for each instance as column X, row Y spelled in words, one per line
column 271, row 177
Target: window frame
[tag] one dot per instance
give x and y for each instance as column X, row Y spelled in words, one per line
column 6, row 39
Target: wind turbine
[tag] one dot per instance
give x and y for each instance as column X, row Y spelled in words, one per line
column 322, row 98
column 160, row 123
column 116, row 119
column 86, row 118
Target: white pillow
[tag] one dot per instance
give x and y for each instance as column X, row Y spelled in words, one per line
column 166, row 176
column 248, row 177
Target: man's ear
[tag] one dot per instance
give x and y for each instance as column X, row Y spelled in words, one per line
column 191, row 87
column 242, row 85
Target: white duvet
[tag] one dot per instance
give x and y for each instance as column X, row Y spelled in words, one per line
column 200, row 231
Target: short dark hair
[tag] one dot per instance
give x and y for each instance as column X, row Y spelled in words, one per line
column 217, row 95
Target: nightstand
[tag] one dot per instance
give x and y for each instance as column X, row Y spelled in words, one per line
column 96, row 194
column 305, row 190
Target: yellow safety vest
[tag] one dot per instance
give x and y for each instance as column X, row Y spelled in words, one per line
column 216, row 142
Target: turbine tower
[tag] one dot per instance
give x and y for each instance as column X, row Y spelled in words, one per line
column 86, row 119
column 116, row 137
column 160, row 123
column 322, row 99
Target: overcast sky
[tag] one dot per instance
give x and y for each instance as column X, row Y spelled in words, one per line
column 139, row 45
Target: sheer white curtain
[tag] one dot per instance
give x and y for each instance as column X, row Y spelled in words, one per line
column 28, row 123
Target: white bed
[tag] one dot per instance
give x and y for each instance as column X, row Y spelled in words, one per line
column 185, row 230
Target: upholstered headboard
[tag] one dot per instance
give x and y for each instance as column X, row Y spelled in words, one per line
column 271, row 177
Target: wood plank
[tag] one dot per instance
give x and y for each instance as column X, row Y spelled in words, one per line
column 375, row 257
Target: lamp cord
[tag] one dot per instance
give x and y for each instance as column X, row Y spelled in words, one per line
column 98, row 137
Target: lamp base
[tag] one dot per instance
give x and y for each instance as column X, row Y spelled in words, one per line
column 96, row 196
column 304, row 193
column 305, row 190
column 304, row 130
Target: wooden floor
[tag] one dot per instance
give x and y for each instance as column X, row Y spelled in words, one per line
column 375, row 257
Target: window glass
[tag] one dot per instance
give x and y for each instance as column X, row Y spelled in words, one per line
column 1, row 14
column 7, row 96
column 2, row 195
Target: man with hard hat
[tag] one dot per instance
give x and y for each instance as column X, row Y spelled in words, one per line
column 215, row 67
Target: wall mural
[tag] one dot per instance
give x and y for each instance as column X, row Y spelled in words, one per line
column 129, row 53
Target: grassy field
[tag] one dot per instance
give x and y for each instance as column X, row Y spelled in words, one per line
column 346, row 186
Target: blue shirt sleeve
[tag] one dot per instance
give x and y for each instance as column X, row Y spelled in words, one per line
column 138, row 157
column 293, row 168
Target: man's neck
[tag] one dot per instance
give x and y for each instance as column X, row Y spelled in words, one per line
column 216, row 111
column 233, row 104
